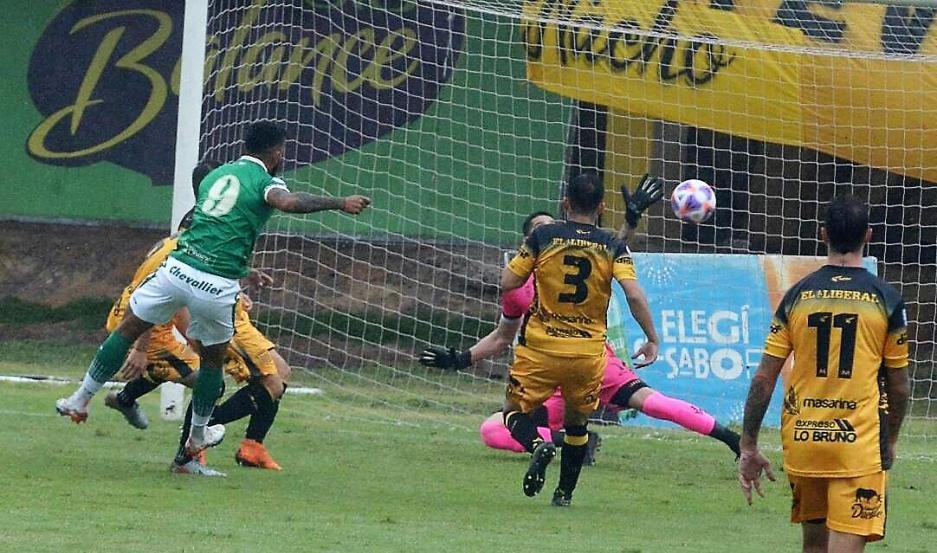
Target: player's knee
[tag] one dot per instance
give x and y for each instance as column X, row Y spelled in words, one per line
column 132, row 327
column 213, row 356
column 631, row 395
column 816, row 536
column 153, row 375
column 574, row 418
column 189, row 380
column 274, row 385
column 283, row 368
column 490, row 429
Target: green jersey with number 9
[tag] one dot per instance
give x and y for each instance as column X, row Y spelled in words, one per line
column 230, row 211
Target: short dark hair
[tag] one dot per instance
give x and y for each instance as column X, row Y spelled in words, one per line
column 525, row 226
column 201, row 171
column 847, row 220
column 263, row 136
column 585, row 192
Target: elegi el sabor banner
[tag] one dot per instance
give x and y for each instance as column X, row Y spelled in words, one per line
column 712, row 313
column 868, row 97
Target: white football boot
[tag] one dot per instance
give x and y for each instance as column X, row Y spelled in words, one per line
column 195, row 468
column 213, row 436
column 71, row 409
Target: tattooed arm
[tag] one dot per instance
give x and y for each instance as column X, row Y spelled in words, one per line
column 898, row 389
column 759, row 396
column 751, row 461
column 301, row 202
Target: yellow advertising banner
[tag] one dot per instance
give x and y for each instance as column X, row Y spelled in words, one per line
column 856, row 81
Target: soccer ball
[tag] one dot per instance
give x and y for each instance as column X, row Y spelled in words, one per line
column 693, row 201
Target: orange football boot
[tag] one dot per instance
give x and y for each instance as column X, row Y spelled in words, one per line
column 253, row 454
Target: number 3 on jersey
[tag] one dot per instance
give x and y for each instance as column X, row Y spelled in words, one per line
column 578, row 279
column 222, row 196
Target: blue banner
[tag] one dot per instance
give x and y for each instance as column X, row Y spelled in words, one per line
column 712, row 313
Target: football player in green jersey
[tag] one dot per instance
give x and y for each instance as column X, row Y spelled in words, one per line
column 233, row 204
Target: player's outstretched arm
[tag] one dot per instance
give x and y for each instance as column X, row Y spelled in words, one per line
column 648, row 192
column 641, row 311
column 494, row 343
column 301, row 202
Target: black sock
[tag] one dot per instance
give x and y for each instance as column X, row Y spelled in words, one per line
column 523, row 430
column 181, row 456
column 557, row 437
column 241, row 404
column 571, row 458
column 727, row 437
column 134, row 390
column 540, row 416
column 262, row 420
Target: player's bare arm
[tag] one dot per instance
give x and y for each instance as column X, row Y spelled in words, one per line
column 751, row 461
column 495, row 342
column 302, row 202
column 637, row 303
column 510, row 281
column 898, row 388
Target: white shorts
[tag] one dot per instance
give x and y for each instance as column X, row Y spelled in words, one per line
column 211, row 300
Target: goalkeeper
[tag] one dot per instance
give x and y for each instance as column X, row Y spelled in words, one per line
column 621, row 387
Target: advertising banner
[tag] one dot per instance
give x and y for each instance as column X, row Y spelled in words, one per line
column 852, row 80
column 374, row 95
column 712, row 313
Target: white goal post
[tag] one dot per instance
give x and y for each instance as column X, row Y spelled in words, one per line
column 188, row 133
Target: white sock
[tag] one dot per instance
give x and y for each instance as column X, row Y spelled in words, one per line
column 86, row 391
column 197, row 432
column 200, row 420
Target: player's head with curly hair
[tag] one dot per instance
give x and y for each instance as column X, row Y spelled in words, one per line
column 846, row 226
column 585, row 194
column 266, row 141
column 534, row 220
column 201, row 171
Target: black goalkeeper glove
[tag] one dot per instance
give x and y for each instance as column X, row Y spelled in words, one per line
column 649, row 191
column 446, row 358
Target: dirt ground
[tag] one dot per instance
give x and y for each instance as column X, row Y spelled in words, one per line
column 392, row 294
column 55, row 264
column 400, row 285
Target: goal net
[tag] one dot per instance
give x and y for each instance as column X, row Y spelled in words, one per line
column 460, row 118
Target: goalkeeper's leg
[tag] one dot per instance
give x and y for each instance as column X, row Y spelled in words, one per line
column 638, row 395
column 496, row 435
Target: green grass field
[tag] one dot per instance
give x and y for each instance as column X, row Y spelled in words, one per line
column 356, row 485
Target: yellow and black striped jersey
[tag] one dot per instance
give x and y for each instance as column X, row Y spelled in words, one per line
column 161, row 334
column 845, row 327
column 573, row 264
